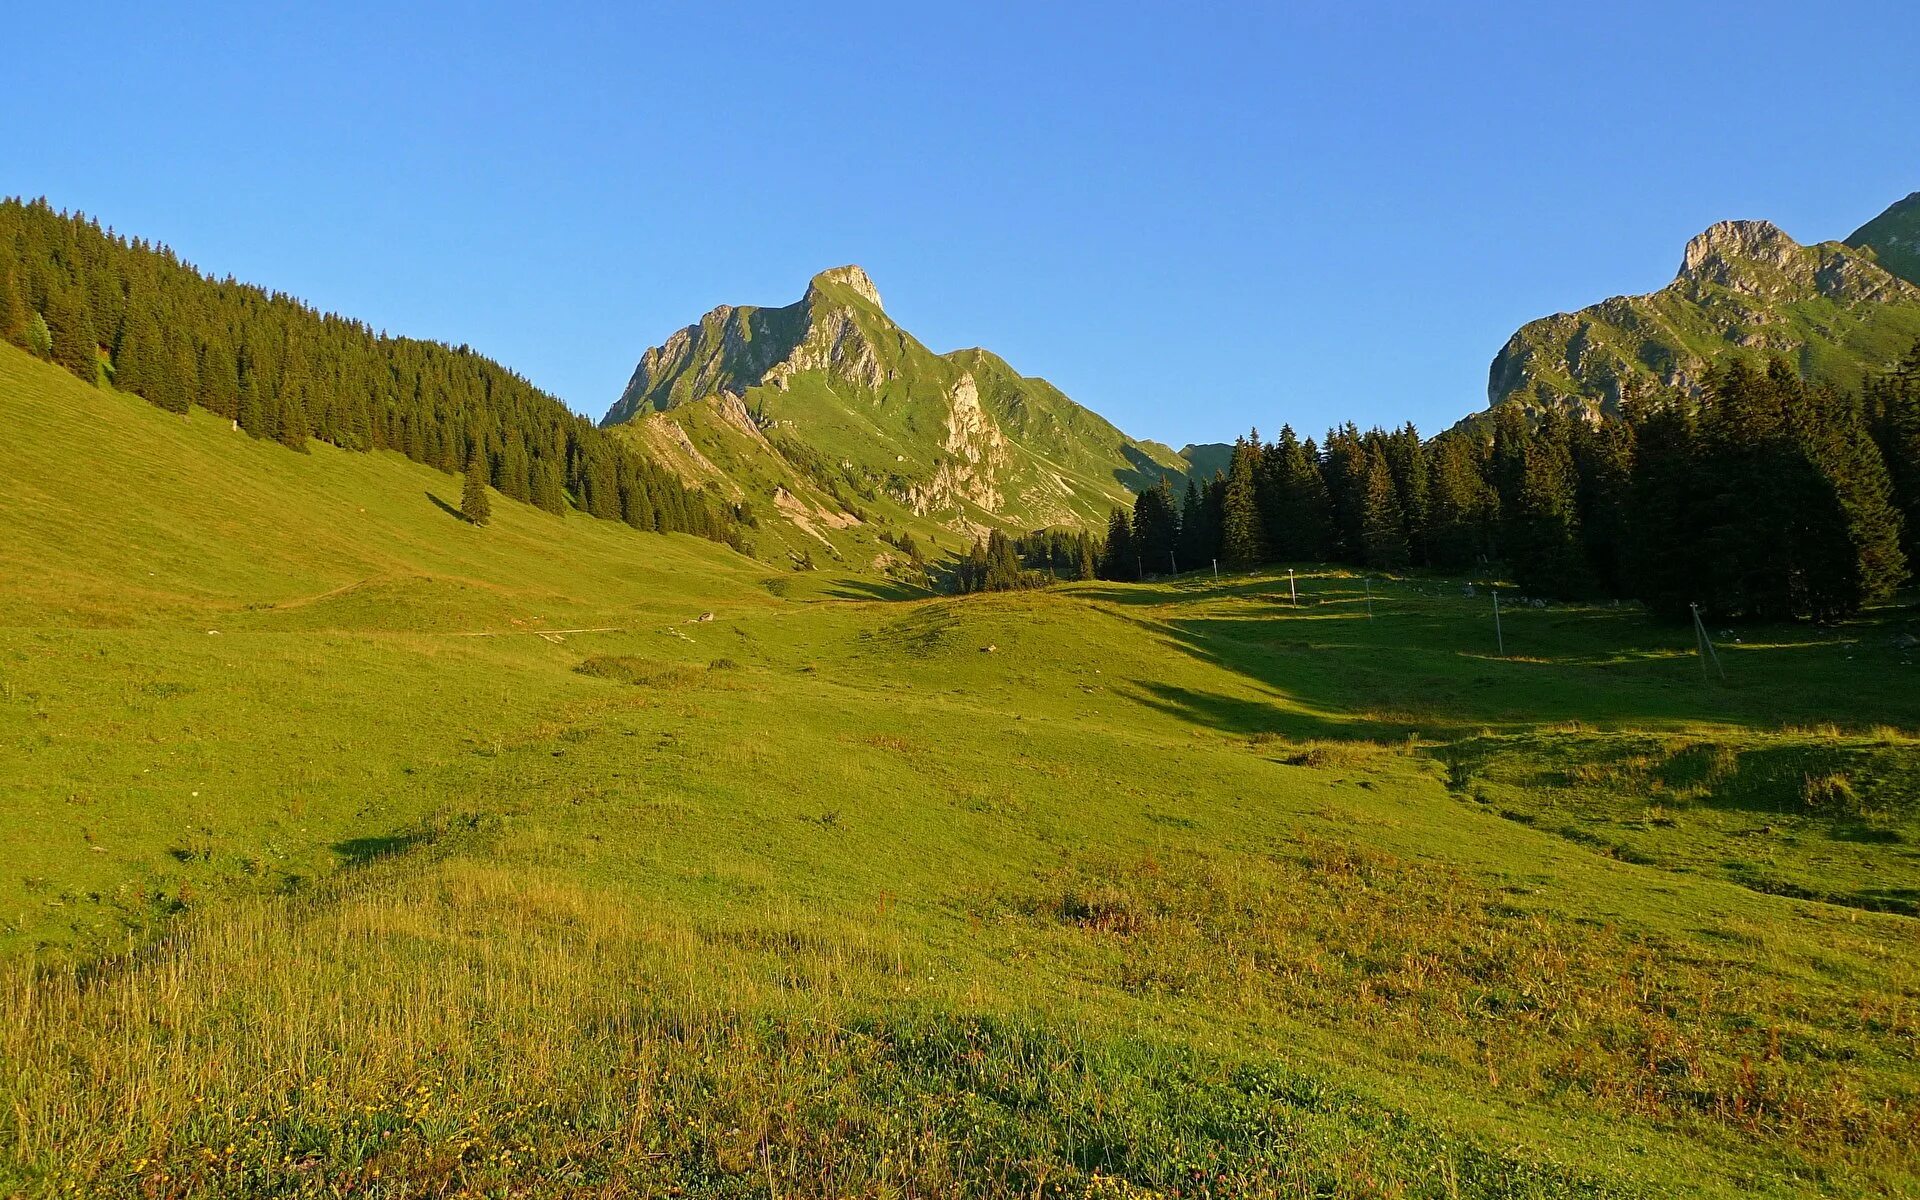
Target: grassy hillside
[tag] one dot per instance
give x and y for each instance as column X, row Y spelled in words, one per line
column 1894, row 237
column 389, row 888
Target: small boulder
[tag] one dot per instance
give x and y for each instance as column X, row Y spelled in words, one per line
column 989, row 648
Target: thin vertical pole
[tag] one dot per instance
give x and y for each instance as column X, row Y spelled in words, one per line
column 1499, row 637
column 1171, row 562
column 1368, row 580
column 1704, row 645
column 1216, row 570
column 1292, row 591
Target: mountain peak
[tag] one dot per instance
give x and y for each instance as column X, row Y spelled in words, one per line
column 1710, row 251
column 851, row 276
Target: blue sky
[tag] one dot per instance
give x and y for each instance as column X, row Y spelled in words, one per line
column 1192, row 218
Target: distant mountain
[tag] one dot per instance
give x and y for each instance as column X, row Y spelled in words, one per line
column 838, row 418
column 1206, row 459
column 1894, row 238
column 1838, row 310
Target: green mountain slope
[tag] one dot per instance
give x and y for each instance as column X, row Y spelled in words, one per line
column 1742, row 286
column 829, row 393
column 1894, row 238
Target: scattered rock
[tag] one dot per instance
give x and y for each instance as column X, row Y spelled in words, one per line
column 989, row 648
column 704, row 617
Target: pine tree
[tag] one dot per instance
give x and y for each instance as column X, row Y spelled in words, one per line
column 1301, row 530
column 1407, row 464
column 1241, row 542
column 1383, row 532
column 13, row 308
column 1894, row 412
column 1542, row 540
column 1156, row 527
column 1344, row 467
column 1603, row 471
column 1119, row 562
column 1457, row 504
column 1199, row 542
column 1663, row 561
column 1084, row 564
column 74, row 344
column 474, row 504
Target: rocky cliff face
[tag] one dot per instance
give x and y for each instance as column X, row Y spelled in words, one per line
column 1743, row 286
column 959, row 440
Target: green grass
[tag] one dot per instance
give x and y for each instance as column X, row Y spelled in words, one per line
column 390, row 888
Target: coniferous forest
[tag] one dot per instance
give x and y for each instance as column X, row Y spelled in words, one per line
column 1767, row 498
column 107, row 307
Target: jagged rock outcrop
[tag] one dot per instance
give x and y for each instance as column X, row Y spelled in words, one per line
column 1742, row 286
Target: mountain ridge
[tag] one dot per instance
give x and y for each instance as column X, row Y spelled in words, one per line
column 960, row 441
column 1742, row 285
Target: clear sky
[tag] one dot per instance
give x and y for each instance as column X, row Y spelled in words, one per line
column 1192, row 218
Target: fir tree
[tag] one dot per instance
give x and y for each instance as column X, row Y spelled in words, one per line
column 73, row 342
column 1119, row 562
column 1302, row 531
column 1603, row 469
column 1085, row 565
column 474, row 504
column 1383, row 534
column 1542, row 540
column 1156, row 527
column 1457, row 505
column 1241, row 541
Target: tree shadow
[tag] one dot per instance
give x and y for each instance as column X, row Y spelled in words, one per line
column 1428, row 660
column 448, row 509
column 866, row 589
column 361, row 851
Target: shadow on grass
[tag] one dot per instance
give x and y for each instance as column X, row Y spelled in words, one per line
column 876, row 589
column 357, row 852
column 1428, row 661
column 448, row 509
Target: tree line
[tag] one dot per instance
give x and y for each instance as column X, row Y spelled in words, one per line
column 1766, row 497
column 104, row 306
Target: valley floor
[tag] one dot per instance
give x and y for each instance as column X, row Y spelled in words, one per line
column 328, row 867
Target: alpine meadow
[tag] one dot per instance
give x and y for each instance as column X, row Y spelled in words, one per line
column 832, row 766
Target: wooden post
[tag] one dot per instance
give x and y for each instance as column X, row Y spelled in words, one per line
column 1499, row 637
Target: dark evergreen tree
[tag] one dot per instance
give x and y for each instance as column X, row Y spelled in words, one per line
column 1119, row 561
column 474, row 504
column 1457, row 505
column 1542, row 527
column 1085, row 563
column 1242, row 544
column 1603, row 470
column 74, row 343
column 1383, row 531
column 1302, row 529
column 1156, row 528
column 1407, row 464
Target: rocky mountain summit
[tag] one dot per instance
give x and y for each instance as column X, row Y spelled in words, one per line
column 1833, row 308
column 829, row 395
